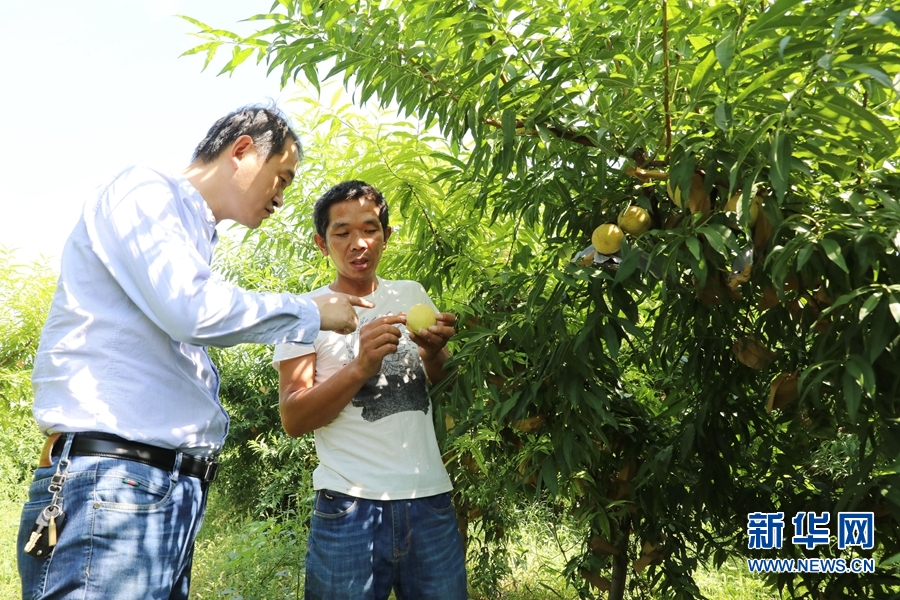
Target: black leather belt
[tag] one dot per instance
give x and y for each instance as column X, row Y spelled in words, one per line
column 112, row 446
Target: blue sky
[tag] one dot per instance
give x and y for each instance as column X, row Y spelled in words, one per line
column 92, row 86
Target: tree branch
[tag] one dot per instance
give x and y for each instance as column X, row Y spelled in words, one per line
column 665, row 41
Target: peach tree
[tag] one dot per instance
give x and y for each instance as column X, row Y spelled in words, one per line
column 741, row 355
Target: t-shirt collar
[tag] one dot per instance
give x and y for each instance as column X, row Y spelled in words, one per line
column 327, row 288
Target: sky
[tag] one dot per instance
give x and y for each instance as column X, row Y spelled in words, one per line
column 91, row 87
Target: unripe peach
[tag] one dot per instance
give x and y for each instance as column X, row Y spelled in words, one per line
column 420, row 316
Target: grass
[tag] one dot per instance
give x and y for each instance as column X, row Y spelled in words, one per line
column 733, row 582
column 9, row 529
column 538, row 553
column 238, row 558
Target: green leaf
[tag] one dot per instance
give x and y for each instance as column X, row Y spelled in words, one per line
column 895, row 308
column 833, row 252
column 869, row 305
column 630, row 260
column 861, row 371
column 509, row 127
column 687, row 441
column 701, row 73
column 203, row 26
column 718, row 237
column 199, row 49
column 851, row 395
column 611, row 337
column 238, row 56
column 725, row 50
column 885, row 16
column 804, row 255
column 723, row 116
column 848, row 116
column 772, row 18
column 873, row 72
column 773, row 77
column 693, row 245
column 825, row 61
column 880, row 333
column 749, row 145
column 844, row 299
column 782, row 45
column 780, row 163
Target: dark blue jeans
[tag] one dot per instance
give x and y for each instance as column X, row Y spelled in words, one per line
column 361, row 549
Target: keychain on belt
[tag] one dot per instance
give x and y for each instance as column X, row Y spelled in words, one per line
column 50, row 521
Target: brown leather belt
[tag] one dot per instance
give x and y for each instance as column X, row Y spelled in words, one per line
column 112, row 446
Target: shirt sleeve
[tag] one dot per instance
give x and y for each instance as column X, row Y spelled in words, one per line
column 289, row 351
column 147, row 238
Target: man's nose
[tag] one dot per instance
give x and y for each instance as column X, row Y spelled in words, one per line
column 360, row 243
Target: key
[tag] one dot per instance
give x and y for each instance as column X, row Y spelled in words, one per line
column 37, row 534
column 57, row 520
column 51, row 532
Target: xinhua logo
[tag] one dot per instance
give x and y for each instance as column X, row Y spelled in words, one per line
column 856, row 529
column 765, row 531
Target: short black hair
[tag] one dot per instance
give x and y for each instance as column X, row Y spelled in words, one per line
column 266, row 125
column 347, row 190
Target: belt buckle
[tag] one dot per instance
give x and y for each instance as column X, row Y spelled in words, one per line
column 211, row 468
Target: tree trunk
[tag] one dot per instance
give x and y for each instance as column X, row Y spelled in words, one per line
column 620, row 564
column 462, row 523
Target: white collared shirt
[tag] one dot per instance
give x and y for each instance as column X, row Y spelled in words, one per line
column 123, row 349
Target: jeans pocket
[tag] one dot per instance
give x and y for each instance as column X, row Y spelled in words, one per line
column 38, row 495
column 441, row 503
column 132, row 488
column 333, row 505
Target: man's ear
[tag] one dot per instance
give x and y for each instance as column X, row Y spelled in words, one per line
column 387, row 234
column 240, row 148
column 320, row 242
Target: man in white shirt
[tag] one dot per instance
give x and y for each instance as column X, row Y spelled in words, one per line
column 382, row 518
column 124, row 387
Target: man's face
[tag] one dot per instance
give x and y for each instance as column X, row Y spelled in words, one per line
column 261, row 184
column 354, row 239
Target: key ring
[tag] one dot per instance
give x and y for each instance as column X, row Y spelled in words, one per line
column 62, row 471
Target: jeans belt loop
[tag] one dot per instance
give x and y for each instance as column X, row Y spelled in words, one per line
column 176, row 468
column 67, row 446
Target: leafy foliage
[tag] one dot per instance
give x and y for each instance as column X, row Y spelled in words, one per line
column 659, row 383
column 25, row 294
column 240, row 558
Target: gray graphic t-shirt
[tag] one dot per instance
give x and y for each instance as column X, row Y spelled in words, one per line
column 382, row 445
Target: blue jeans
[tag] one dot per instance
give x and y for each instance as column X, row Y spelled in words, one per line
column 129, row 532
column 360, row 549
